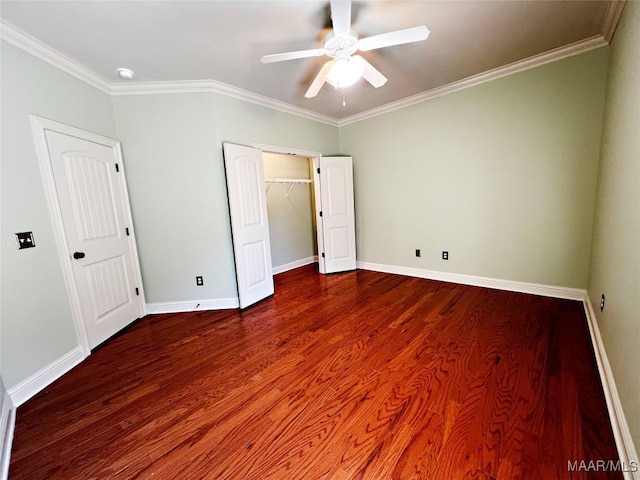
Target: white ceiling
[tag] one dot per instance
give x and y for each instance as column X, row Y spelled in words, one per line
column 224, row 40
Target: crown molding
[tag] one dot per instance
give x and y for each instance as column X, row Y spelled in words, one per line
column 35, row 47
column 44, row 52
column 611, row 18
column 212, row 86
column 161, row 88
column 51, row 56
column 560, row 53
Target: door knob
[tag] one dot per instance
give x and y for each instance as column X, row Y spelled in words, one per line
column 78, row 255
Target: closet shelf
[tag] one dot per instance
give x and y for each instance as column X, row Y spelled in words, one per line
column 287, row 180
column 290, row 181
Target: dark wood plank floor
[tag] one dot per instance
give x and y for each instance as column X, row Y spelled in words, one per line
column 352, row 376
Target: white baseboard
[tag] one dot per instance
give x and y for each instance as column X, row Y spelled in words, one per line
column 291, row 265
column 7, row 424
column 45, row 377
column 217, row 303
column 192, row 305
column 621, row 432
column 499, row 284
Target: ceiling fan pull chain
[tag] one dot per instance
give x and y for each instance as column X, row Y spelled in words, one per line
column 344, row 99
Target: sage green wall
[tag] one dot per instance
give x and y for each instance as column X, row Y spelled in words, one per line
column 502, row 175
column 176, row 192
column 290, row 216
column 245, row 123
column 172, row 148
column 615, row 259
column 37, row 327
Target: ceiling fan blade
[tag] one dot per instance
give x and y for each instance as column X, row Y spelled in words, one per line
column 341, row 17
column 408, row 35
column 371, row 73
column 317, row 83
column 280, row 57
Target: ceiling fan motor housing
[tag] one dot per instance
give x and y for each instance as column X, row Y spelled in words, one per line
column 340, row 47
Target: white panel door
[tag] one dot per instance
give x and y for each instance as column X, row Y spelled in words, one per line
column 91, row 193
column 338, row 217
column 249, row 222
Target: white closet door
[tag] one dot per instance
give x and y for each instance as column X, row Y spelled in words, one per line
column 338, row 217
column 249, row 222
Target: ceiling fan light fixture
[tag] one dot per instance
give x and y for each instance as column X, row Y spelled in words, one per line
column 341, row 44
column 345, row 72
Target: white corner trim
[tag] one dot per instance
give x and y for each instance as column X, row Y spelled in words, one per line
column 35, row 47
column 619, row 425
column 521, row 65
column 45, row 377
column 192, row 305
column 212, row 86
column 7, row 425
column 611, row 19
column 499, row 284
column 295, row 264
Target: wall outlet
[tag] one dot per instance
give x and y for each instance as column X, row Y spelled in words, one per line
column 602, row 302
column 199, row 281
column 445, row 255
column 417, row 252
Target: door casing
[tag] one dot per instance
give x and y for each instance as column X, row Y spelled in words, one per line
column 39, row 126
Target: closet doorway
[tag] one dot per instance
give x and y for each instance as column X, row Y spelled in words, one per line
column 290, row 207
column 331, row 205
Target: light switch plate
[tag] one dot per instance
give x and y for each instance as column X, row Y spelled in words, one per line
column 25, row 240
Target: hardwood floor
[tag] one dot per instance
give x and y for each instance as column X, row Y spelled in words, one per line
column 360, row 375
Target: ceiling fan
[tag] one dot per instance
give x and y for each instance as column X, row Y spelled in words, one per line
column 345, row 68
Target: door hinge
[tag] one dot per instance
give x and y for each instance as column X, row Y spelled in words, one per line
column 318, row 169
column 322, row 254
column 126, row 229
column 320, row 212
column 117, row 168
column 137, row 291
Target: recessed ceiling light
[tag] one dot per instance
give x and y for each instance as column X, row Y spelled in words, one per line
column 125, row 73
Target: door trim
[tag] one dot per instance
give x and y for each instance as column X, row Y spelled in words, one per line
column 286, row 150
column 39, row 126
column 315, row 159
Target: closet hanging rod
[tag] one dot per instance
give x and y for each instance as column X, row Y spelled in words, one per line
column 290, row 181
column 287, row 180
